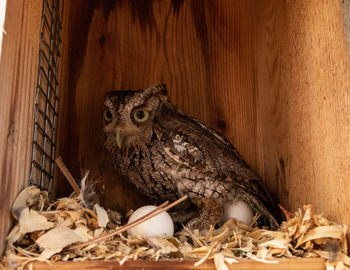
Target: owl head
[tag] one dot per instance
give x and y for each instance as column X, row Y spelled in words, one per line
column 128, row 115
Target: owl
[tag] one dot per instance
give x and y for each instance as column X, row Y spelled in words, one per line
column 167, row 154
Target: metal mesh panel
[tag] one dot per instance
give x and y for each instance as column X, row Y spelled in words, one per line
column 46, row 97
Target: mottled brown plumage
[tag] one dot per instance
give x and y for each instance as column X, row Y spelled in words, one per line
column 167, row 154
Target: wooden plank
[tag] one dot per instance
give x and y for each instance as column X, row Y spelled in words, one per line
column 286, row 264
column 203, row 51
column 303, row 76
column 2, row 20
column 18, row 75
column 346, row 11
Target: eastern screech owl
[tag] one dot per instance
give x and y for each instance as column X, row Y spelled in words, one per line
column 167, row 154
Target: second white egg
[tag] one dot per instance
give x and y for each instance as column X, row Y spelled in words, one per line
column 239, row 210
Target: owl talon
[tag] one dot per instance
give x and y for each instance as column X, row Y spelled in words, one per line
column 210, row 214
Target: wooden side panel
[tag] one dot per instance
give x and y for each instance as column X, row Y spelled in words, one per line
column 2, row 20
column 18, row 75
column 203, row 51
column 303, row 76
column 346, row 11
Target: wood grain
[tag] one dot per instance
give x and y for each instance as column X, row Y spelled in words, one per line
column 273, row 76
column 295, row 264
column 18, row 75
column 303, row 76
column 346, row 12
column 2, row 20
column 203, row 51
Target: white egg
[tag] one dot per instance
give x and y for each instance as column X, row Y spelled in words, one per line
column 160, row 225
column 238, row 210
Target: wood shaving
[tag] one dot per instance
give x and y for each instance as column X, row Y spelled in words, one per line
column 102, row 216
column 31, row 221
column 29, row 197
column 43, row 231
column 219, row 261
column 56, row 239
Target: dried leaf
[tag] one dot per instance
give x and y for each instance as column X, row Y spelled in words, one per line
column 25, row 199
column 31, row 220
column 102, row 216
column 56, row 239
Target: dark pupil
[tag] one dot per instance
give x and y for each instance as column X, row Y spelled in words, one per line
column 140, row 114
column 108, row 114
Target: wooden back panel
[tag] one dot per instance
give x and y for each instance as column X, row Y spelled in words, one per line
column 202, row 50
column 273, row 76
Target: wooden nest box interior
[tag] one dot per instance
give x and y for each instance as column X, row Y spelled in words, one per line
column 273, row 76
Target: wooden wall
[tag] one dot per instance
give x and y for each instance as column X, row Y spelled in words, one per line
column 203, row 50
column 303, row 76
column 18, row 76
column 346, row 12
column 273, row 76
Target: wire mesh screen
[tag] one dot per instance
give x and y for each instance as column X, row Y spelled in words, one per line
column 46, row 97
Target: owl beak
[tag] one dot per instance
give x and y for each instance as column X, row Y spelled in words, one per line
column 119, row 137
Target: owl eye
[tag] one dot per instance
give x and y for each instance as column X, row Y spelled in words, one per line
column 107, row 115
column 141, row 115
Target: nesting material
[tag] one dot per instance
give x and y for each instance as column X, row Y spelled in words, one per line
column 30, row 197
column 102, row 216
column 46, row 232
column 31, row 221
column 53, row 241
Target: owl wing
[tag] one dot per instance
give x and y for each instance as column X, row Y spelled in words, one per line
column 187, row 142
column 192, row 144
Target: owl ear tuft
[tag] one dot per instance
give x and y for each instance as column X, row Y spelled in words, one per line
column 159, row 89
